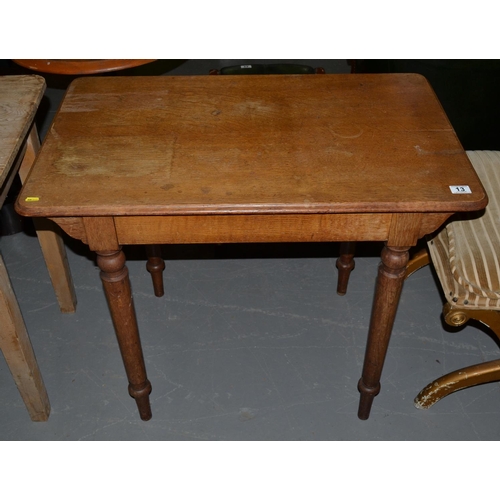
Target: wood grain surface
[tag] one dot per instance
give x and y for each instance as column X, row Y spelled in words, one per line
column 250, row 145
column 19, row 100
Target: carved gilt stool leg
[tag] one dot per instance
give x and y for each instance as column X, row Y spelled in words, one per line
column 156, row 266
column 391, row 273
column 114, row 275
column 470, row 376
column 345, row 264
column 454, row 381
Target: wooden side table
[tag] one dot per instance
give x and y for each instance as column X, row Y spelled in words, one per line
column 275, row 158
column 19, row 100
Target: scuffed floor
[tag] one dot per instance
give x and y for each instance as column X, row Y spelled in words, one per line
column 241, row 348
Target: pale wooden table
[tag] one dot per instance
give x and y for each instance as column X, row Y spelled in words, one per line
column 288, row 158
column 19, row 100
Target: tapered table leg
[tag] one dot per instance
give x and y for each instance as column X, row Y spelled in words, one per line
column 345, row 264
column 391, row 274
column 114, row 275
column 155, row 266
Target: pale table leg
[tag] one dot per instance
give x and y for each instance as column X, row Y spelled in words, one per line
column 50, row 239
column 18, row 352
column 391, row 274
column 114, row 276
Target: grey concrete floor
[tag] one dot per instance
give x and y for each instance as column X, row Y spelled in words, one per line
column 250, row 342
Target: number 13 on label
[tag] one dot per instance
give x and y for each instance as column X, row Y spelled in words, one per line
column 460, row 189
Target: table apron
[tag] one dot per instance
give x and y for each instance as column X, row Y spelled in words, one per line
column 400, row 229
column 251, row 228
column 267, row 228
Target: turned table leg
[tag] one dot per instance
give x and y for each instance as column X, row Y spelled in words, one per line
column 345, row 264
column 391, row 274
column 155, row 266
column 114, row 275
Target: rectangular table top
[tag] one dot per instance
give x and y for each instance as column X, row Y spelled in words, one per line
column 20, row 96
column 252, row 144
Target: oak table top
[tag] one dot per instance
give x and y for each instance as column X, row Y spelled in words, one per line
column 250, row 145
column 213, row 159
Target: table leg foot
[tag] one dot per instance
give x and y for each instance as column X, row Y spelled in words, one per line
column 345, row 264
column 367, row 395
column 391, row 274
column 141, row 396
column 114, row 276
column 156, row 266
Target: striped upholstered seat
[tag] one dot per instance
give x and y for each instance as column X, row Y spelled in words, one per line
column 466, row 256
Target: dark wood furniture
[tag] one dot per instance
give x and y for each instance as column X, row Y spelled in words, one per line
column 80, row 66
column 275, row 158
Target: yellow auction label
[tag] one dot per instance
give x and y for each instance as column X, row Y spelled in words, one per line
column 32, row 198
